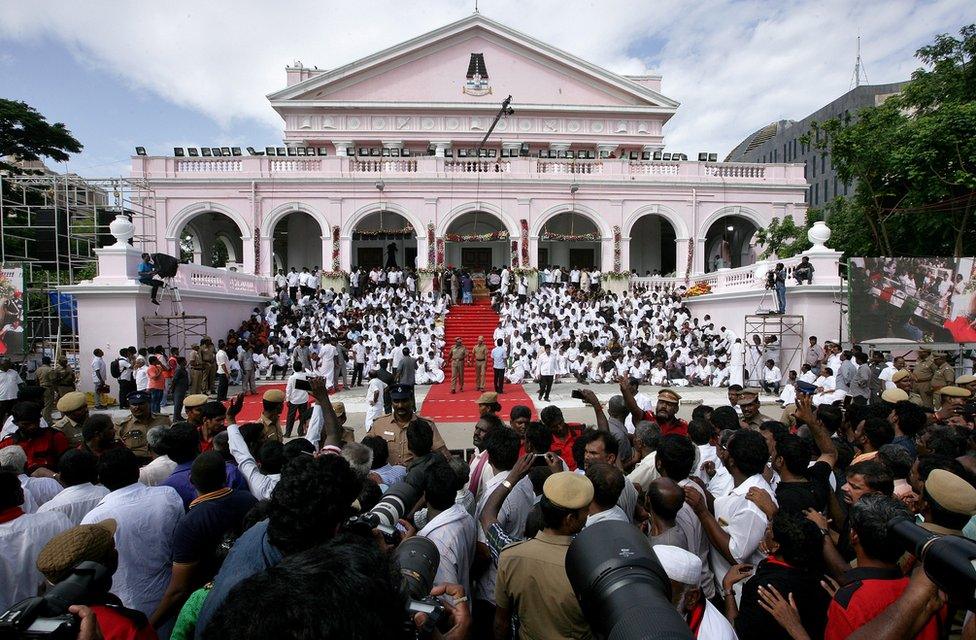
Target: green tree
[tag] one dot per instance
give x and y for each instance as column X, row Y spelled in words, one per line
column 27, row 135
column 785, row 237
column 912, row 159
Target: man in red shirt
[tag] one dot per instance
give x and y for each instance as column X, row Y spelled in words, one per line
column 665, row 414
column 877, row 581
column 563, row 435
column 42, row 446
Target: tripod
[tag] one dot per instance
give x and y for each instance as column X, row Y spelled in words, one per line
column 767, row 295
column 176, row 300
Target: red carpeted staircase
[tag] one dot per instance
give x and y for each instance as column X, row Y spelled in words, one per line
column 468, row 321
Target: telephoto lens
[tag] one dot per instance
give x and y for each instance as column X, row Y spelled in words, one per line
column 948, row 560
column 400, row 498
column 621, row 587
column 418, row 560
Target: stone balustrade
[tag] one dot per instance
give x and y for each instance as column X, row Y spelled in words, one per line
column 194, row 277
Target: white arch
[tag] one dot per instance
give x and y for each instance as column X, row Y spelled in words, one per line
column 222, row 238
column 569, row 207
column 736, row 210
column 349, row 226
column 273, row 217
column 677, row 222
column 177, row 222
column 484, row 207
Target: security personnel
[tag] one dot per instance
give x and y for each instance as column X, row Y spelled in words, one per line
column 480, row 363
column 532, row 582
column 903, row 380
column 64, row 377
column 74, row 411
column 273, row 401
column 924, row 370
column 967, row 381
column 393, row 427
column 193, row 407
column 208, row 355
column 953, row 399
column 749, row 403
column 47, row 380
column 196, row 367
column 944, row 376
column 132, row 431
column 459, row 354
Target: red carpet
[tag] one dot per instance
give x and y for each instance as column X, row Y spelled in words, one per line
column 468, row 322
column 253, row 406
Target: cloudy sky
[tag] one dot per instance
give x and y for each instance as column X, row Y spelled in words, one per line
column 194, row 73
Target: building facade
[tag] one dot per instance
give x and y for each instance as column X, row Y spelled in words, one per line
column 382, row 162
column 781, row 142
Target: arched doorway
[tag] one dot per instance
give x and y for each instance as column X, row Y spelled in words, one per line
column 212, row 239
column 477, row 241
column 729, row 243
column 297, row 242
column 378, row 236
column 653, row 250
column 570, row 240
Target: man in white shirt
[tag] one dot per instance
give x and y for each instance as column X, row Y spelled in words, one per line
column 449, row 526
column 499, row 355
column 162, row 465
column 146, row 518
column 140, row 374
column 78, row 473
column 608, row 484
column 10, row 382
column 738, row 525
column 771, row 378
column 359, row 361
column 99, row 376
column 297, row 400
column 294, row 281
column 545, row 370
column 22, row 536
column 223, row 372
column 682, row 568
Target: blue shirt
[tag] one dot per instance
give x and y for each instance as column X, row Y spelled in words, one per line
column 145, row 270
column 498, row 358
column 180, row 480
column 251, row 554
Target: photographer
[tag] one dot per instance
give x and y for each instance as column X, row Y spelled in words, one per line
column 147, row 271
column 449, row 526
column 776, row 280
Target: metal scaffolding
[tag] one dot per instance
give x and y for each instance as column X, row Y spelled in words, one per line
column 51, row 225
column 788, row 334
column 174, row 331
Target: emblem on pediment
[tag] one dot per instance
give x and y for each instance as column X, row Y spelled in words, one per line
column 328, row 122
column 620, row 127
column 426, row 124
column 596, row 126
column 550, row 124
column 477, row 77
column 402, row 122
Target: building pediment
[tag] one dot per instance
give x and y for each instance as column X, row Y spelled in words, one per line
column 475, row 62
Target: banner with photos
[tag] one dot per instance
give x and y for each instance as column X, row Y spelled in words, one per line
column 920, row 299
column 11, row 310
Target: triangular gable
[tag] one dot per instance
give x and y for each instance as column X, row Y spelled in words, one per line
column 432, row 69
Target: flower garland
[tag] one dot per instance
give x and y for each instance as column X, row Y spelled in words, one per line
column 616, row 248
column 335, row 274
column 406, row 232
column 691, row 253
column 698, row 289
column 257, row 250
column 431, row 245
column 440, row 252
column 477, row 237
column 335, row 249
column 515, row 255
column 562, row 237
column 525, row 241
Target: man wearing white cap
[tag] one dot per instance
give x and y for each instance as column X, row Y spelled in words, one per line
column 683, row 569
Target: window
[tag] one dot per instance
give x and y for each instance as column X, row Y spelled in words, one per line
column 816, row 193
column 826, row 193
column 823, row 162
column 835, row 187
column 764, row 158
column 805, row 164
column 814, row 165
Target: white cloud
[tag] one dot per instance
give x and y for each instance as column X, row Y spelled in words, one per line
column 734, row 66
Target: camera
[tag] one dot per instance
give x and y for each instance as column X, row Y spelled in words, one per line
column 770, row 279
column 398, row 500
column 47, row 616
column 418, row 560
column 947, row 560
column 576, row 393
column 621, row 587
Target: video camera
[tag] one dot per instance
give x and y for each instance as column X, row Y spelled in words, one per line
column 397, row 501
column 621, row 587
column 47, row 616
column 770, row 279
column 948, row 560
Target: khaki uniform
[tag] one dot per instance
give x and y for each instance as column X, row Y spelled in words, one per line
column 914, row 398
column 943, row 376
column 208, row 355
column 754, row 422
column 46, row 380
column 64, row 378
column 271, row 431
column 924, row 370
column 395, row 435
column 459, row 353
column 532, row 584
column 71, row 431
column 132, row 433
column 480, row 362
column 196, row 368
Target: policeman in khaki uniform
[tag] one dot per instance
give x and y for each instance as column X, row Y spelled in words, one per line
column 273, row 401
column 953, row 399
column 74, row 411
column 393, row 427
column 208, row 355
column 944, row 375
column 967, row 381
column 903, row 380
column 459, row 354
column 196, row 368
column 480, row 363
column 749, row 403
column 193, row 407
column 532, row 582
column 132, row 431
column 924, row 370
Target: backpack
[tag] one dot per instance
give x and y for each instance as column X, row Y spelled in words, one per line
column 115, row 369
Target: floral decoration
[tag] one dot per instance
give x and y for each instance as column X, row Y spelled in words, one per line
column 257, row 250
column 515, row 253
column 406, row 232
column 335, row 249
column 525, row 241
column 698, row 289
column 616, row 248
column 562, row 237
column 477, row 237
column 431, row 244
column 440, row 252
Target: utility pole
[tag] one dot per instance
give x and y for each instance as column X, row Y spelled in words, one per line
column 859, row 70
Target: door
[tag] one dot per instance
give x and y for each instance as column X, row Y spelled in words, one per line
column 369, row 257
column 543, row 257
column 582, row 258
column 476, row 259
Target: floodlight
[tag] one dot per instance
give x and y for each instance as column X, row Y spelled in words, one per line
column 667, row 157
column 178, row 152
column 657, row 155
column 225, row 151
column 322, row 151
column 713, row 157
column 300, row 151
column 270, row 151
column 205, row 151
column 405, row 153
column 192, row 152
column 140, row 151
column 310, row 151
column 281, row 151
column 235, row 151
column 702, row 157
column 292, row 151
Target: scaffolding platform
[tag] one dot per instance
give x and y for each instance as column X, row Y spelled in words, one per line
column 173, row 331
column 780, row 333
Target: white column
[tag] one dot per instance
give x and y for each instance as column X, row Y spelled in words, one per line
column 440, row 146
column 345, row 252
column 681, row 257
column 267, row 256
column 249, row 266
column 533, row 252
column 340, row 147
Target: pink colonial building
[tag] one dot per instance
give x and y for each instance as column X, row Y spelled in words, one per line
column 385, row 151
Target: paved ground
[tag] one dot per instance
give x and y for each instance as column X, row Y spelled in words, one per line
column 458, row 435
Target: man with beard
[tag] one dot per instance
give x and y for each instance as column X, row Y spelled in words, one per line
column 749, row 403
column 393, row 427
column 74, row 411
column 133, row 430
column 665, row 414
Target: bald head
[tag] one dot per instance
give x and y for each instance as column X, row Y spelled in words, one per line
column 666, row 498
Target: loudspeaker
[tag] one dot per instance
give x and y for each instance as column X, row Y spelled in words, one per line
column 166, row 265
